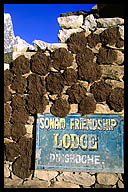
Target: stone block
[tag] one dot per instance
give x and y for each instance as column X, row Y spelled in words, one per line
column 30, row 120
column 45, row 175
column 62, row 184
column 73, row 108
column 90, row 23
column 35, row 183
column 83, row 178
column 102, row 186
column 72, row 21
column 107, row 178
column 121, row 30
column 120, row 184
column 120, row 58
column 102, row 108
column 52, row 46
column 115, row 83
column 64, row 34
column 21, row 45
column 6, row 170
column 26, row 54
column 10, row 183
column 29, row 129
column 112, row 72
column 109, row 22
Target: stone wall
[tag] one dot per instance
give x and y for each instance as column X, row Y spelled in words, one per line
column 83, row 73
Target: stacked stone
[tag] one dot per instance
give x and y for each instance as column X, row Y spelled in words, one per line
column 83, row 73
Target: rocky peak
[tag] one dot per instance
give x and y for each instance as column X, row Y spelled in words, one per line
column 9, row 36
column 12, row 43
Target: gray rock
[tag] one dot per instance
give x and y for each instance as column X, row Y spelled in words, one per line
column 45, row 175
column 83, row 178
column 90, row 23
column 9, row 36
column 40, row 45
column 109, row 22
column 21, row 45
column 72, row 21
column 52, row 46
column 64, row 34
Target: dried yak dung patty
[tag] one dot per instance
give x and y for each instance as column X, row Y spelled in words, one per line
column 85, row 56
column 20, row 115
column 18, row 101
column 19, row 84
column 36, row 103
column 77, row 42
column 60, row 108
column 101, row 91
column 12, row 151
column 106, row 56
column 76, row 93
column 89, row 72
column 21, row 65
column 61, row 59
column 7, row 129
column 70, row 76
column 110, row 36
column 54, row 83
column 116, row 99
column 25, row 145
column 8, row 77
column 18, row 130
column 93, row 40
column 87, row 69
column 36, row 84
column 40, row 63
column 22, row 167
column 87, row 105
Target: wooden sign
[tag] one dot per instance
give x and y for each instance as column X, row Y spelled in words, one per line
column 80, row 143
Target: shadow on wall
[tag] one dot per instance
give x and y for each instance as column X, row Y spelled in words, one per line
column 33, row 144
column 111, row 10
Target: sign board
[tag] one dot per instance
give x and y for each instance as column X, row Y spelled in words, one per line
column 80, row 143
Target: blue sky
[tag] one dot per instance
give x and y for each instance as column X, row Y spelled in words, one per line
column 39, row 21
